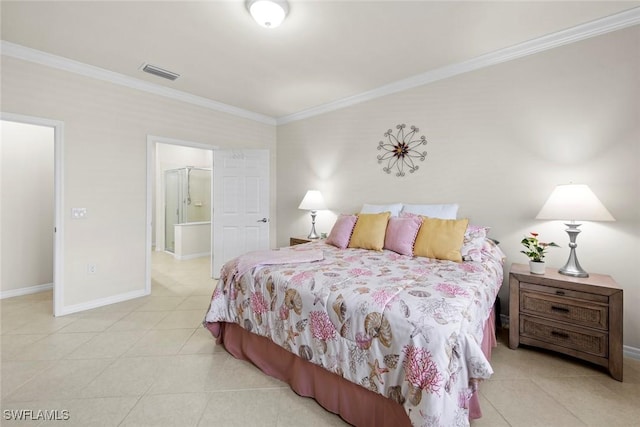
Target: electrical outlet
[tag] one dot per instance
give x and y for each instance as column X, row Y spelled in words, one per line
column 92, row 268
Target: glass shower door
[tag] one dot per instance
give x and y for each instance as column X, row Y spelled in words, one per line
column 198, row 189
column 187, row 198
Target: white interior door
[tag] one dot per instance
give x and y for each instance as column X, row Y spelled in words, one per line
column 240, row 204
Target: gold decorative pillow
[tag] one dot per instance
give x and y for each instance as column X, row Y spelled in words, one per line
column 369, row 231
column 441, row 238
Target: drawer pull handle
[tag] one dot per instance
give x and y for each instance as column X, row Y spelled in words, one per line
column 559, row 292
column 561, row 309
column 559, row 334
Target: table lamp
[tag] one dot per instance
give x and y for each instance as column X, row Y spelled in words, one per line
column 313, row 201
column 572, row 202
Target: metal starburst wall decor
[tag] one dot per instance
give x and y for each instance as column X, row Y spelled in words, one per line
column 400, row 150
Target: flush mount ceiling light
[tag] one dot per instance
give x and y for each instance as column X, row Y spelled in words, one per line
column 268, row 13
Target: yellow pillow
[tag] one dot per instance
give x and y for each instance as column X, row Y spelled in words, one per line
column 441, row 238
column 369, row 231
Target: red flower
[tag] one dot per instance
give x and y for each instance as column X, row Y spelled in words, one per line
column 536, row 249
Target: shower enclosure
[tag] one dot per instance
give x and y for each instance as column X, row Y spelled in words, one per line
column 187, row 200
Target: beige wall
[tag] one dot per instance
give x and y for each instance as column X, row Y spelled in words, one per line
column 500, row 139
column 106, row 128
column 27, row 206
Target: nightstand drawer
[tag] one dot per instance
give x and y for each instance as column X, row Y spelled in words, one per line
column 586, row 341
column 577, row 312
column 561, row 292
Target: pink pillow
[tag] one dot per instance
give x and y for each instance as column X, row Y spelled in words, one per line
column 401, row 234
column 341, row 232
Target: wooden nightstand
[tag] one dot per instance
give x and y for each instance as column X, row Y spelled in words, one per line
column 578, row 317
column 298, row 240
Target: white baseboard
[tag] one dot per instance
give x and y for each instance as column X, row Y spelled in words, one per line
column 102, row 302
column 192, row 256
column 631, row 352
column 25, row 291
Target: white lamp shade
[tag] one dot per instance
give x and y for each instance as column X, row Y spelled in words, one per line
column 268, row 13
column 574, row 202
column 313, row 201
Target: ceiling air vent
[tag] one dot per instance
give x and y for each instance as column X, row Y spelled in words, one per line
column 157, row 71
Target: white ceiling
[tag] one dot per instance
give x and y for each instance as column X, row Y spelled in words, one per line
column 324, row 51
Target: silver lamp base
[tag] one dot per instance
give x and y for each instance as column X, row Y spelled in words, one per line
column 572, row 267
column 313, row 234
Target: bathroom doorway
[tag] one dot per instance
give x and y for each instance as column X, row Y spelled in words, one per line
column 179, row 194
column 239, row 192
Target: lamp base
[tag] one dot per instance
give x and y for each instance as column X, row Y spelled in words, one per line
column 572, row 271
column 313, row 235
column 572, row 267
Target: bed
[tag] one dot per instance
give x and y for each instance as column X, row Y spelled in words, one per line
column 378, row 337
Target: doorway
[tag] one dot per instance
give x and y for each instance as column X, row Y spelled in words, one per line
column 179, row 194
column 239, row 193
column 32, row 249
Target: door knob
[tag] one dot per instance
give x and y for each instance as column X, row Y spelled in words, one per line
column 263, row 220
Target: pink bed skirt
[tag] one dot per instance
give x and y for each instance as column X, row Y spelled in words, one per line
column 355, row 404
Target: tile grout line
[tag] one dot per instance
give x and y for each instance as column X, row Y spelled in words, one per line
column 486, row 398
column 560, row 403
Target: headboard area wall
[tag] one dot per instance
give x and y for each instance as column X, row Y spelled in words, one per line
column 499, row 140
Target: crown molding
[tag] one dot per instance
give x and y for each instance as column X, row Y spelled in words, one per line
column 594, row 28
column 39, row 57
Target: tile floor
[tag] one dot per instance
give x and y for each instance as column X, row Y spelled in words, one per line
column 149, row 362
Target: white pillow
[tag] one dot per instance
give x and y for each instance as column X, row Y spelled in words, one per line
column 449, row 211
column 394, row 208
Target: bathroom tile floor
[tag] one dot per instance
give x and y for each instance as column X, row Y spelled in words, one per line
column 148, row 362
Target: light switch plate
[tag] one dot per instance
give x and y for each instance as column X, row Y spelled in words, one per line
column 78, row 213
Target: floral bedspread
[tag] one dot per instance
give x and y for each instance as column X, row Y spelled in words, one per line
column 407, row 328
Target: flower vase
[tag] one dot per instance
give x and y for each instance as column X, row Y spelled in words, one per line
column 537, row 267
